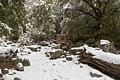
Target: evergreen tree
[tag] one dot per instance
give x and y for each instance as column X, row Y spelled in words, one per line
column 13, row 14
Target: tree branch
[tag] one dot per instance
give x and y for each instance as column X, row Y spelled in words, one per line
column 87, row 13
column 91, row 5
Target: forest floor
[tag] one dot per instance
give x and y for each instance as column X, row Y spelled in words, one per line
column 42, row 68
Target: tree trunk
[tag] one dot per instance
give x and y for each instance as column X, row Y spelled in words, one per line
column 109, row 69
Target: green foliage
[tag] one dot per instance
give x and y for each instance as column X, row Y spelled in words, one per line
column 12, row 13
column 42, row 18
column 88, row 25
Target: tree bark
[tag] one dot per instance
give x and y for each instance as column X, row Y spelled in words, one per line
column 109, row 69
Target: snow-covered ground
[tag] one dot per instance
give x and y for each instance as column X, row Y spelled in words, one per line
column 42, row 68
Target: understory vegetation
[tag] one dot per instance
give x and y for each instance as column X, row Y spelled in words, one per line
column 85, row 21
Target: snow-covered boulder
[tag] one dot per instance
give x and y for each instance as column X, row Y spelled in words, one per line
column 77, row 50
column 95, row 73
column 55, row 46
column 55, row 53
column 107, row 46
column 8, row 51
column 19, row 67
column 16, row 61
column 4, row 71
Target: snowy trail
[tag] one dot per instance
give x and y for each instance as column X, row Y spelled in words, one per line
column 44, row 69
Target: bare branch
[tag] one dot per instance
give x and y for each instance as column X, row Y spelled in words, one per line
column 106, row 3
column 87, row 13
column 91, row 5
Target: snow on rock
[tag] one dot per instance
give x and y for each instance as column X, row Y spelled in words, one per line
column 95, row 73
column 103, row 42
column 12, row 48
column 77, row 48
column 42, row 68
column 105, row 56
column 35, row 4
column 54, row 50
column 19, row 67
column 5, row 51
column 34, row 46
column 67, row 6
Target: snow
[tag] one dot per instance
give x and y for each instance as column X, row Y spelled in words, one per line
column 77, row 48
column 5, row 48
column 99, row 54
column 20, row 65
column 95, row 71
column 34, row 46
column 5, row 26
column 102, row 42
column 67, row 6
column 54, row 50
column 3, row 51
column 35, row 4
column 42, row 68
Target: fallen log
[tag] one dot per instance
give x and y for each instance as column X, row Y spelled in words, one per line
column 110, row 69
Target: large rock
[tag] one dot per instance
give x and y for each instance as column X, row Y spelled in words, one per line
column 95, row 74
column 43, row 43
column 56, row 54
column 34, row 49
column 26, row 62
column 64, row 47
column 16, row 78
column 77, row 50
column 107, row 46
column 69, row 58
column 19, row 67
column 18, row 60
column 4, row 71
